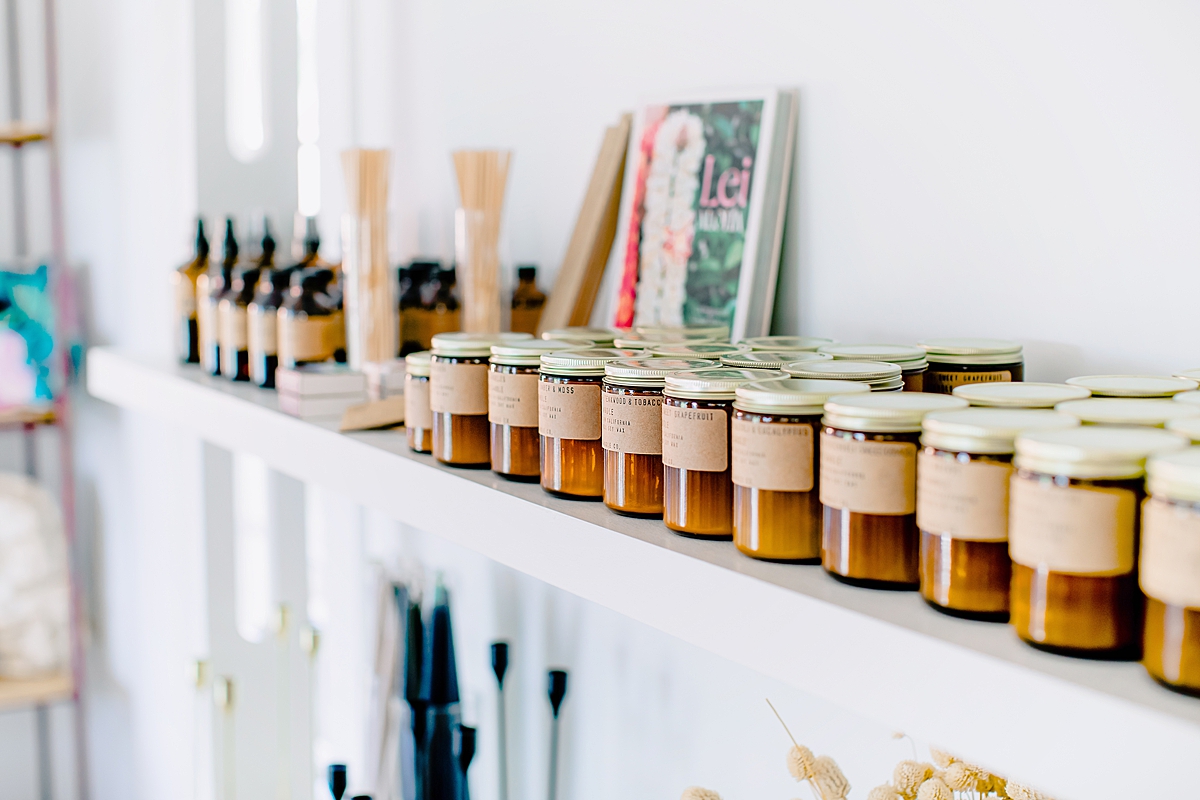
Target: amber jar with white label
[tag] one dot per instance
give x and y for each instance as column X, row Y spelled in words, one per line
column 1133, row 385
column 631, row 405
column 1073, row 538
column 458, row 396
column 1019, row 395
column 775, row 454
column 697, row 465
column 868, row 486
column 963, row 473
column 569, row 421
column 881, row 376
column 955, row 362
column 1169, row 570
column 793, row 344
column 513, row 406
column 1140, row 412
column 910, row 359
column 418, row 417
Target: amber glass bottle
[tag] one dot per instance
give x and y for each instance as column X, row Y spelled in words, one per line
column 418, row 417
column 792, row 344
column 697, row 468
column 232, row 323
column 963, row 473
column 183, row 284
column 262, row 324
column 209, row 288
column 569, row 412
column 1019, row 395
column 527, row 301
column 910, row 359
column 868, row 486
column 458, row 396
column 513, row 406
column 1073, row 538
column 955, row 362
column 416, row 304
column 881, row 376
column 311, row 326
column 1170, row 570
column 631, row 404
column 776, row 467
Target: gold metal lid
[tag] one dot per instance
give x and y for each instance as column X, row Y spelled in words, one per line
column 650, row 371
column 1133, row 385
column 709, row 350
column 792, row 395
column 1175, row 475
column 471, row 345
column 418, row 363
column 601, row 337
column 886, row 412
column 909, row 357
column 589, row 361
column 798, row 344
column 767, row 359
column 528, row 352
column 636, row 341
column 1145, row 412
column 1093, row 451
column 1186, row 426
column 987, row 430
column 714, row 331
column 973, row 350
column 1018, row 394
column 714, row 383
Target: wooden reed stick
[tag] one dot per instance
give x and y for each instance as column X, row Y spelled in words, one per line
column 482, row 179
column 369, row 298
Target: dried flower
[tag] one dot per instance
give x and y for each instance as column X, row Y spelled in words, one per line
column 698, row 793
column 934, row 789
column 801, row 762
column 885, row 792
column 829, row 780
column 941, row 757
column 1019, row 791
column 960, row 777
column 908, row 776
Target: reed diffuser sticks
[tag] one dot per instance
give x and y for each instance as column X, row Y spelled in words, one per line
column 370, row 297
column 482, row 178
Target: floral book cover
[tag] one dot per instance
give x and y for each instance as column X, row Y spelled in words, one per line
column 687, row 233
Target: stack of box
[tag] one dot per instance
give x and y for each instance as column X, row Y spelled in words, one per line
column 385, row 379
column 319, row 390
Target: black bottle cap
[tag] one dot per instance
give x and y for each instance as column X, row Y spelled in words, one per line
column 337, row 780
column 527, row 272
column 230, row 247
column 312, row 237
column 201, row 239
column 282, row 278
column 558, row 689
column 268, row 243
column 500, row 661
column 466, row 747
column 313, row 280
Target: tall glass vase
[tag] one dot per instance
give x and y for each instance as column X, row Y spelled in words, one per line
column 476, row 238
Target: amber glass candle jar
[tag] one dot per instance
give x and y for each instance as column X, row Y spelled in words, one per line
column 1019, row 395
column 513, row 406
column 711, row 351
column 418, row 417
column 910, row 359
column 963, row 472
column 631, row 406
column 879, row 375
column 954, row 362
column 775, row 454
column 768, row 359
column 1073, row 538
column 458, row 396
column 1140, row 412
column 1133, row 385
column 697, row 475
column 569, row 414
column 868, row 486
column 792, row 344
column 1169, row 570
column 582, row 337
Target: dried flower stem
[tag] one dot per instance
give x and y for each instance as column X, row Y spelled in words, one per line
column 816, row 789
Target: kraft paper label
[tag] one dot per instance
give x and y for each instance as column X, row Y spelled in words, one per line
column 632, row 423
column 695, row 438
column 1170, row 565
column 185, row 296
column 312, row 338
column 262, row 331
column 458, row 388
column 868, row 477
column 1071, row 529
column 946, row 381
column 775, row 456
column 569, row 410
column 964, row 500
column 417, row 413
column 231, row 319
column 513, row 399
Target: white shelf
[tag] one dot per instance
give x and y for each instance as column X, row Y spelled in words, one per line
column 971, row 686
